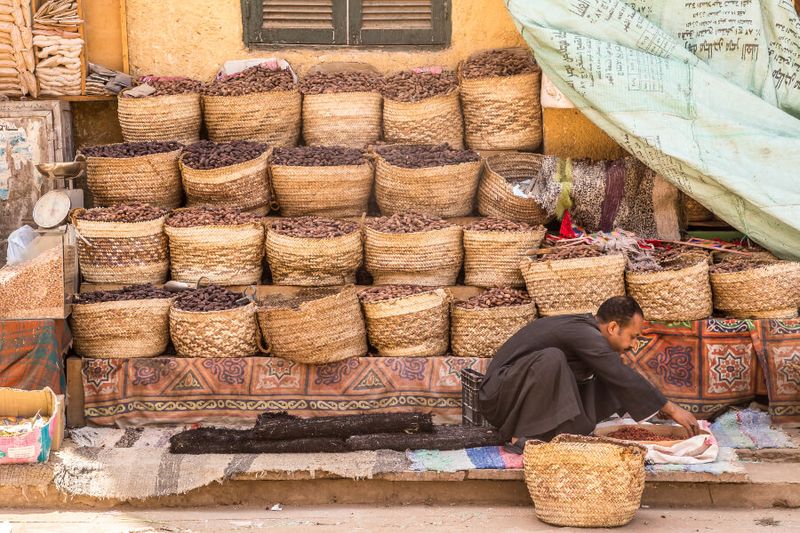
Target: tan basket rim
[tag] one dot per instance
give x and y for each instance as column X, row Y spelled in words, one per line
column 534, row 229
column 120, row 303
column 296, row 89
column 250, row 305
column 407, row 297
column 479, row 162
column 378, row 93
column 578, row 262
column 510, row 155
column 134, row 158
column 483, row 309
column 344, row 167
column 74, row 217
column 302, row 307
column 774, row 268
column 448, row 228
column 241, row 165
column 166, row 97
column 659, row 275
column 520, row 49
column 455, row 90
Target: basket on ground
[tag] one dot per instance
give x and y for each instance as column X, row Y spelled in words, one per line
column 160, row 118
column 431, row 120
column 228, row 333
column 501, row 175
column 332, row 191
column 683, row 293
column 480, row 332
column 768, row 290
column 492, row 258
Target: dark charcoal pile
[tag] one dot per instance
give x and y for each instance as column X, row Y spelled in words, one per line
column 408, row 223
column 317, row 156
column 210, row 216
column 133, row 212
column 257, row 79
column 131, row 292
column 410, row 86
column 497, row 297
column 341, row 82
column 170, row 87
column 314, row 227
column 497, row 224
column 569, row 252
column 390, row 292
column 206, row 155
column 498, row 63
column 634, row 433
column 425, row 155
column 133, row 149
column 739, row 265
column 211, row 298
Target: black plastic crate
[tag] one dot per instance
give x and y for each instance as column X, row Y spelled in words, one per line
column 470, row 412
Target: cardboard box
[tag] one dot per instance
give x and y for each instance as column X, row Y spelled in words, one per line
column 32, row 446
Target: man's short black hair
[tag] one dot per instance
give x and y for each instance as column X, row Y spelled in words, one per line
column 619, row 309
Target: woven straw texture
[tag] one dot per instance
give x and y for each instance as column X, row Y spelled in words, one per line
column 411, row 326
column 229, row 333
column 160, row 118
column 126, row 329
column 122, row 252
column 430, row 121
column 771, row 291
column 491, row 258
column 695, row 212
column 243, row 185
column 152, row 179
column 225, row 255
column 569, row 286
column 584, row 481
column 422, row 258
column 480, row 332
column 325, row 330
column 337, row 191
column 673, row 295
column 270, row 117
column 314, row 262
column 342, row 119
column 445, row 191
column 496, row 196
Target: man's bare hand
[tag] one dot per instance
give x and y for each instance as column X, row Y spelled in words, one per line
column 682, row 417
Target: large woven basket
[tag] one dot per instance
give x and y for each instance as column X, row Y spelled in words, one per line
column 160, row 118
column 567, row 286
column 480, row 332
column 243, row 185
column 491, row 258
column 270, row 117
column 342, row 119
column 432, row 120
column 422, row 258
column 153, row 179
column 769, row 291
column 673, row 295
column 496, row 196
column 314, row 262
column 124, row 329
column 322, row 330
column 125, row 253
column 228, row 333
column 695, row 211
column 224, row 255
column 585, row 481
column 333, row 191
column 445, row 191
column 410, row 326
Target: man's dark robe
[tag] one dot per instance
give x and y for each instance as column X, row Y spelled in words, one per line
column 559, row 374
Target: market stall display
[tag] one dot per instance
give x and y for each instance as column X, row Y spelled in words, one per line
column 17, row 61
column 161, row 108
column 493, row 248
column 756, row 288
column 59, row 48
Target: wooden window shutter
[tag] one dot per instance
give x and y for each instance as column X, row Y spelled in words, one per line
column 295, row 21
column 398, row 22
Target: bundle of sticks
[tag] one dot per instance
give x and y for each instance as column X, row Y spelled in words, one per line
column 17, row 60
column 58, row 44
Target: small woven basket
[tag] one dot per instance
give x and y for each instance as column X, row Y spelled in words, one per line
column 431, row 258
column 153, row 179
column 496, row 196
column 270, row 117
column 491, row 258
column 673, row 295
column 432, row 120
column 585, row 481
column 323, row 330
column 695, row 211
column 160, row 118
column 567, row 286
column 480, row 332
column 228, row 333
column 342, row 119
column 769, row 291
column 243, row 185
column 123, row 329
column 410, row 326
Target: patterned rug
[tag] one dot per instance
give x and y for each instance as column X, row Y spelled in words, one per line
column 31, row 354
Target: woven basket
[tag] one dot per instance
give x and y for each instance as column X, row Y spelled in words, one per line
column 496, row 196
column 270, row 117
column 124, row 253
column 422, row 258
column 770, row 291
column 570, row 286
column 335, row 191
column 160, row 118
column 153, row 179
column 342, row 119
column 444, row 191
column 432, row 120
column 314, row 262
column 229, row 333
column 695, row 212
column 225, row 255
column 410, row 326
column 315, row 332
column 673, row 295
column 480, row 332
column 491, row 258
column 243, row 185
column 585, row 481
column 124, row 329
